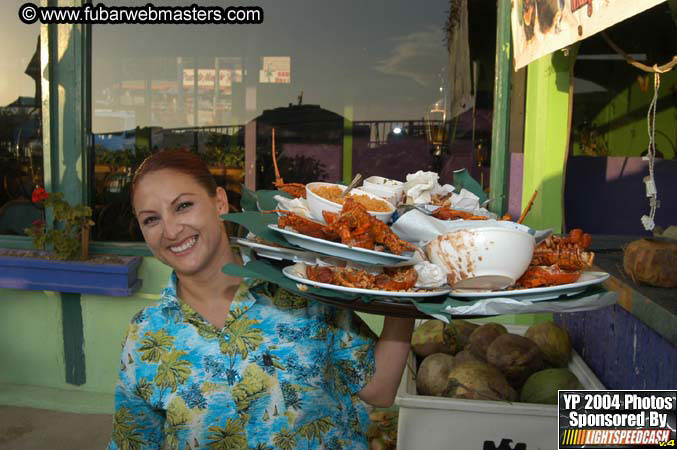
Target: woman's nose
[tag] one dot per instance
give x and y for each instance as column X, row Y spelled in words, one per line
column 172, row 228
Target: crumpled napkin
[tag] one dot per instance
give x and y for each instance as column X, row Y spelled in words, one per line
column 296, row 205
column 465, row 200
column 421, row 186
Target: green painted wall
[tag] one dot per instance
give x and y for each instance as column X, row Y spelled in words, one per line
column 624, row 119
column 30, row 328
column 546, row 138
column 105, row 321
column 32, row 343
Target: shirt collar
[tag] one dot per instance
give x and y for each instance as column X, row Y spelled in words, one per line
column 169, row 298
column 243, row 299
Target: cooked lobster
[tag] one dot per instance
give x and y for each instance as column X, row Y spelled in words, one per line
column 356, row 227
column 568, row 252
column 538, row 276
column 558, row 260
column 446, row 213
column 303, row 225
column 353, row 226
column 296, row 190
column 392, row 279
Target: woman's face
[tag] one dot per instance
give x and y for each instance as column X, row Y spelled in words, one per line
column 180, row 221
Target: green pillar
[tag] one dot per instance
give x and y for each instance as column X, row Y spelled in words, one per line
column 546, row 137
column 500, row 131
column 66, row 106
column 65, row 67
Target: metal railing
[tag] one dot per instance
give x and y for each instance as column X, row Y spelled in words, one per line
column 381, row 132
column 378, row 132
column 229, row 130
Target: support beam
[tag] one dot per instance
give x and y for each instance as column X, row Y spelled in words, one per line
column 546, row 137
column 250, row 155
column 73, row 339
column 66, row 117
column 65, row 68
column 500, row 130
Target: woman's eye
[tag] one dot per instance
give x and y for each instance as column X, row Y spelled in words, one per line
column 184, row 205
column 149, row 220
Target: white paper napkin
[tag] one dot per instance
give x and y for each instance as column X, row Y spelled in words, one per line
column 296, row 205
column 421, row 186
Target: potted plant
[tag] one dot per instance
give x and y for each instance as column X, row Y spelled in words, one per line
column 67, row 267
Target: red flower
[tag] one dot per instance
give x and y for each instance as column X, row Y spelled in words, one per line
column 39, row 194
column 38, row 223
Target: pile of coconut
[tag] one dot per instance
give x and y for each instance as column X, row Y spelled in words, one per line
column 486, row 362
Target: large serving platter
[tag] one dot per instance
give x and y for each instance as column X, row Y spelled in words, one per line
column 291, row 273
column 586, row 280
column 274, row 252
column 340, row 250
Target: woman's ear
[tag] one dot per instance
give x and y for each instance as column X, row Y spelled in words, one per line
column 221, row 200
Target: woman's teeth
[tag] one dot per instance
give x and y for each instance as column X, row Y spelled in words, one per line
column 185, row 246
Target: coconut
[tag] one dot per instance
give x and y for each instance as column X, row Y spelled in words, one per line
column 463, row 356
column 464, row 329
column 515, row 356
column 542, row 387
column 432, row 375
column 481, row 337
column 478, row 380
column 434, row 336
column 553, row 341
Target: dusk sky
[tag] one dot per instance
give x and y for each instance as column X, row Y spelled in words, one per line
column 385, row 59
column 18, row 42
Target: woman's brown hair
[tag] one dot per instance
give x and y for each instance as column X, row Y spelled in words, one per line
column 182, row 161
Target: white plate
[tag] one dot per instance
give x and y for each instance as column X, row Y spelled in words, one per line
column 340, row 250
column 540, row 293
column 289, row 273
column 272, row 252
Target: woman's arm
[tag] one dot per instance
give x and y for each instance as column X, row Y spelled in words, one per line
column 136, row 423
column 390, row 357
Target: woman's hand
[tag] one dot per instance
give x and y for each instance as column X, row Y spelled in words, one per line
column 390, row 354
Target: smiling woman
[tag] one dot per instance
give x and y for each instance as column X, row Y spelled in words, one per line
column 238, row 360
column 180, row 220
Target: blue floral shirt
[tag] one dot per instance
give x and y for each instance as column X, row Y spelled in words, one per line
column 283, row 373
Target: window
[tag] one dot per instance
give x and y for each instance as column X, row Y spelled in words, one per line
column 366, row 79
column 20, row 121
column 611, row 97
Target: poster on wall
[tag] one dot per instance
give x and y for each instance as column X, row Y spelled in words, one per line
column 276, row 69
column 540, row 27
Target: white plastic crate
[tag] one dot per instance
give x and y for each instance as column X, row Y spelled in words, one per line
column 439, row 423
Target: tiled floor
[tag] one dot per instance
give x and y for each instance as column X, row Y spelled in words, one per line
column 38, row 429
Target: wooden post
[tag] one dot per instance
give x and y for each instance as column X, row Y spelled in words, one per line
column 84, row 242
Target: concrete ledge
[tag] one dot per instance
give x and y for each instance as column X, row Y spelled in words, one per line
column 76, row 401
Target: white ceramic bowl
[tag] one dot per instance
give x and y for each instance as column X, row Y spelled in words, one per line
column 386, row 188
column 318, row 204
column 489, row 258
